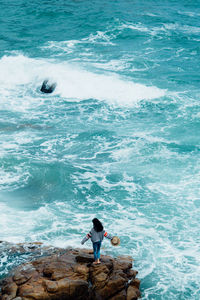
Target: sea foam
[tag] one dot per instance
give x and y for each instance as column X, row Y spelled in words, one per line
column 73, row 82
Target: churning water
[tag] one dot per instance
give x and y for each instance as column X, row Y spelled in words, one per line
column 118, row 138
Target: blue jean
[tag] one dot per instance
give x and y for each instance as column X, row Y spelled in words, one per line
column 96, row 248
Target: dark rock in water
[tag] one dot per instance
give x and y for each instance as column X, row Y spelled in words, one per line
column 48, row 87
column 70, row 274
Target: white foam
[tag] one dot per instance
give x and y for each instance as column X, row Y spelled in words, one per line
column 18, row 225
column 134, row 26
column 113, row 65
column 189, row 13
column 73, row 82
column 100, row 38
column 14, row 179
column 122, row 154
column 164, row 28
column 80, row 84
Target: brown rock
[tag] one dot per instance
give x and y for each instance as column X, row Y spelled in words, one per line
column 21, row 277
column 10, row 289
column 135, row 282
column 133, row 293
column 78, row 289
column 51, row 286
column 132, row 273
column 125, row 258
column 96, row 269
column 99, row 275
column 36, row 291
column 114, row 284
column 69, row 275
column 120, row 296
column 88, row 251
column 63, row 286
column 124, row 265
column 82, row 271
column 84, row 258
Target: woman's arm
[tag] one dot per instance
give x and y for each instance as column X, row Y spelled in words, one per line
column 108, row 236
column 86, row 238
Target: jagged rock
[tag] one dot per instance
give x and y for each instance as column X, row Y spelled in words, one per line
column 10, row 289
column 70, row 274
column 120, row 296
column 133, row 293
column 135, row 282
column 47, row 87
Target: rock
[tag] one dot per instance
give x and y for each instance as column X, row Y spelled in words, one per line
column 51, row 286
column 114, row 285
column 84, row 258
column 10, row 289
column 34, row 290
column 132, row 273
column 21, row 277
column 120, row 296
column 79, row 289
column 47, row 87
column 135, row 282
column 70, row 274
column 133, row 293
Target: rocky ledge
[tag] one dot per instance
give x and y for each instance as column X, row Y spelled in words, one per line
column 70, row 274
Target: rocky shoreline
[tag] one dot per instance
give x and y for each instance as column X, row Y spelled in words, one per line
column 62, row 274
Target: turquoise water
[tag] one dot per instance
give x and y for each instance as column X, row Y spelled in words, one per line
column 117, row 140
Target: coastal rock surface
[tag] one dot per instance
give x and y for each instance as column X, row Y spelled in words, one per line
column 70, row 274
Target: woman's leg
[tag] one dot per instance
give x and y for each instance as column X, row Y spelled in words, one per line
column 95, row 250
column 98, row 251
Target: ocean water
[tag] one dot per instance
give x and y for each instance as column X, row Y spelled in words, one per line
column 118, row 139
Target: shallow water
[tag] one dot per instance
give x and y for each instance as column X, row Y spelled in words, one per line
column 117, row 140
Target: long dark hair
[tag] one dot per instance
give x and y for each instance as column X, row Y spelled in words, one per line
column 97, row 225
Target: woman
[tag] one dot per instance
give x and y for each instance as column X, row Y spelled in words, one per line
column 96, row 234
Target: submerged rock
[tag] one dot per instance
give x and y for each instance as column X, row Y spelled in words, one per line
column 47, row 87
column 71, row 275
